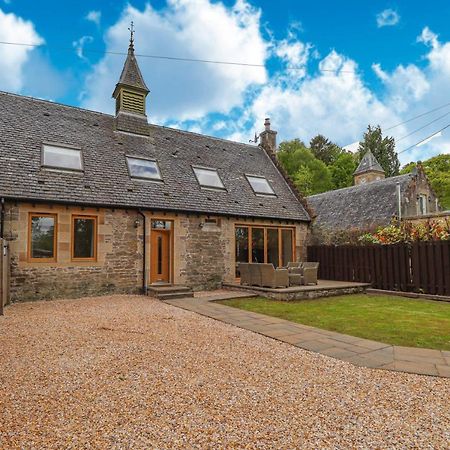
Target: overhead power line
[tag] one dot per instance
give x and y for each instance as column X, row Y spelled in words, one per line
column 170, row 58
column 421, row 128
column 424, row 139
column 417, row 117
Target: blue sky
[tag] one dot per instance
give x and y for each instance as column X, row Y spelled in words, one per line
column 384, row 62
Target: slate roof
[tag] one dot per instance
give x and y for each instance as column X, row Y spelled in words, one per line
column 131, row 74
column 25, row 123
column 362, row 206
column 368, row 163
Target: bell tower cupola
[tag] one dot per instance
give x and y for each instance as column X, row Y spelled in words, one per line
column 368, row 170
column 130, row 94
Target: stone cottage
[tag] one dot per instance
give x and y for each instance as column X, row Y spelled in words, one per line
column 94, row 203
column 374, row 200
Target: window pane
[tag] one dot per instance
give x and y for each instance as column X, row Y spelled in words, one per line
column 161, row 224
column 159, row 255
column 286, row 246
column 260, row 185
column 143, row 168
column 257, row 245
column 208, row 178
column 241, row 247
column 272, row 246
column 42, row 237
column 62, row 158
column 83, row 238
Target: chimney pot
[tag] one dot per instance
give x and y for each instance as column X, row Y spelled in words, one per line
column 267, row 124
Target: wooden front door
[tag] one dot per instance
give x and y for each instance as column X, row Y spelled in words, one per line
column 160, row 256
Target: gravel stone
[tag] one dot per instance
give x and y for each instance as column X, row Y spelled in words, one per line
column 132, row 372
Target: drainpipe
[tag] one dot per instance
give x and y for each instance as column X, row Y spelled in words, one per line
column 144, row 256
column 399, row 199
column 2, row 217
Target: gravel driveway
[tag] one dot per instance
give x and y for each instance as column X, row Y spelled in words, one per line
column 131, row 372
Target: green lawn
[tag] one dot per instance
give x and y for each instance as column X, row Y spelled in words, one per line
column 390, row 319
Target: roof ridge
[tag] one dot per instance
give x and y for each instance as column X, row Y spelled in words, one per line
column 364, row 184
column 51, row 102
column 41, row 100
column 178, row 130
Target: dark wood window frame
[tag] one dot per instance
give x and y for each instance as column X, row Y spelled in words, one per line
column 55, row 237
column 72, row 236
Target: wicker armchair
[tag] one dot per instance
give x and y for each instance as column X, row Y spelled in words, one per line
column 255, row 274
column 245, row 273
column 273, row 278
column 310, row 272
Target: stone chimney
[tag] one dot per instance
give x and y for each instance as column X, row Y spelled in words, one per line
column 268, row 138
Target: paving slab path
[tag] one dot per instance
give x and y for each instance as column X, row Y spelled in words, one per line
column 358, row 351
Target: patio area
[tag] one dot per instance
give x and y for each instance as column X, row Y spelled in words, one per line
column 323, row 288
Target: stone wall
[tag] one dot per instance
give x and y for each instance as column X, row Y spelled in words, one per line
column 118, row 267
column 203, row 253
column 368, row 177
column 410, row 199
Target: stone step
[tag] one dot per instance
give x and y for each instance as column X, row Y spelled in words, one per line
column 174, row 295
column 169, row 292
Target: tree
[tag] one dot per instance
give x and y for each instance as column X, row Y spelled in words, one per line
column 342, row 170
column 437, row 169
column 323, row 149
column 382, row 148
column 310, row 175
column 289, row 155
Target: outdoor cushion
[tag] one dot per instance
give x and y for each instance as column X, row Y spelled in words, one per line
column 295, row 279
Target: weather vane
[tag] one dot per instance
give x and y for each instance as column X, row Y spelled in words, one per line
column 131, row 30
column 255, row 140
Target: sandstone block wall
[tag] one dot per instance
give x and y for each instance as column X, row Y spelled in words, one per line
column 203, row 253
column 118, row 267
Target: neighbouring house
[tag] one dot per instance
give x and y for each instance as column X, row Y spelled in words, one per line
column 94, row 203
column 374, row 200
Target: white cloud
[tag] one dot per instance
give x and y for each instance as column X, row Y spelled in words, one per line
column 429, row 139
column 232, row 101
column 336, row 103
column 94, row 16
column 428, row 37
column 387, row 18
column 198, row 29
column 13, row 58
column 409, row 81
column 79, row 45
column 353, row 147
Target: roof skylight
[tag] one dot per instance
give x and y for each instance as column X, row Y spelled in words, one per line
column 56, row 157
column 208, row 178
column 143, row 168
column 260, row 185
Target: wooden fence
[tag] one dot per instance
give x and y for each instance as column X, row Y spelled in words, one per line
column 418, row 267
column 4, row 274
